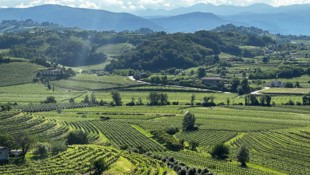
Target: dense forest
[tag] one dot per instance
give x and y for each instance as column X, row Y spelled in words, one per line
column 184, row 50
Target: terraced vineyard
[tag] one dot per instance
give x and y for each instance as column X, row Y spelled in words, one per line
column 285, row 151
column 218, row 167
column 278, row 137
column 123, row 135
column 77, row 160
column 92, row 132
column 207, row 137
column 52, row 106
column 16, row 122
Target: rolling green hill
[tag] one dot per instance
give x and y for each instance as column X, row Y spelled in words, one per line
column 17, row 73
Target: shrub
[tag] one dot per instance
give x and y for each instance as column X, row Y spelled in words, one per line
column 172, row 130
column 290, row 102
column 171, row 142
column 50, row 99
column 193, row 145
column 175, row 103
column 41, row 149
column 220, row 151
column 57, row 147
column 99, row 166
column 77, row 137
column 123, row 147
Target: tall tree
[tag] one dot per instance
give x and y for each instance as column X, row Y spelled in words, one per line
column 244, row 156
column 163, row 99
column 189, row 122
column 306, row 99
column 86, row 99
column 117, row 100
column 245, row 85
column 24, row 141
column 235, row 82
column 193, row 97
column 201, row 72
column 93, row 98
column 7, row 141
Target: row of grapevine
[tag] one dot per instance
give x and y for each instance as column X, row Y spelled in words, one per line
column 52, row 106
column 282, row 151
column 124, row 135
column 218, row 167
column 86, row 126
column 76, row 160
column 14, row 123
column 146, row 165
column 206, row 137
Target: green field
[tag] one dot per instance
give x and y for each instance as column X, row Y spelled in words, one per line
column 77, row 160
column 17, row 73
column 277, row 136
column 267, row 131
column 287, row 91
column 93, row 82
column 34, row 93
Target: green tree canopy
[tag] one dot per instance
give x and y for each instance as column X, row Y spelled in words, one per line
column 189, row 122
column 244, row 156
column 77, row 137
column 116, row 96
column 220, row 151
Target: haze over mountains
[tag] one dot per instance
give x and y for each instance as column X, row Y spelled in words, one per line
column 292, row 19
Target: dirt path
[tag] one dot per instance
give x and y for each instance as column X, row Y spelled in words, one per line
column 259, row 91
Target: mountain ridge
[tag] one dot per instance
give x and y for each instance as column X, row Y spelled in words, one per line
column 283, row 20
column 79, row 17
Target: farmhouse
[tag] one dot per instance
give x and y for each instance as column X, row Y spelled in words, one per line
column 52, row 72
column 4, row 154
column 212, row 81
column 276, row 84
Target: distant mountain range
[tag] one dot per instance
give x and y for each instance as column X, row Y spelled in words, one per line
column 226, row 10
column 77, row 17
column 190, row 22
column 292, row 19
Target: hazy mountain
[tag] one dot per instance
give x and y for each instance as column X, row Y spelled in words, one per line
column 210, row 8
column 77, row 17
column 190, row 22
column 292, row 19
column 226, row 10
column 276, row 23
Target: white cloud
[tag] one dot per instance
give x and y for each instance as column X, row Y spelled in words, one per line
column 89, row 5
column 129, row 5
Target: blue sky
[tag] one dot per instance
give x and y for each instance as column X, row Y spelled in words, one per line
column 132, row 5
